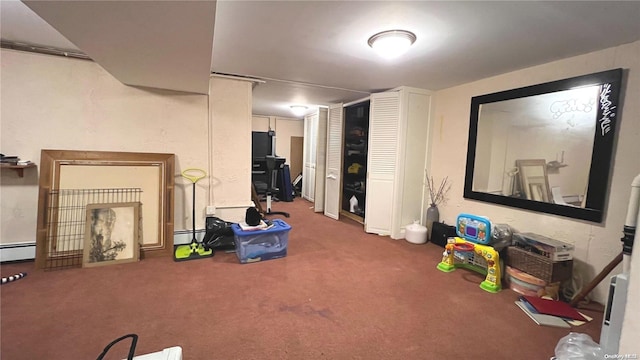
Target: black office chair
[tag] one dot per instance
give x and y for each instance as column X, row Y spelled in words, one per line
column 273, row 164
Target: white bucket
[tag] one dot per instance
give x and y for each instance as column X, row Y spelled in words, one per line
column 415, row 233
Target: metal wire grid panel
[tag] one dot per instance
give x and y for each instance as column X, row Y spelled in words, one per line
column 67, row 221
column 469, row 257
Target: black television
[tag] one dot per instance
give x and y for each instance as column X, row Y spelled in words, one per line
column 261, row 144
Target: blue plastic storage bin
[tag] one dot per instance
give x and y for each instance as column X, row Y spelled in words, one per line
column 260, row 245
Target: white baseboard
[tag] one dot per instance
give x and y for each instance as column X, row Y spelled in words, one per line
column 182, row 237
column 17, row 251
column 233, row 213
column 27, row 250
column 238, row 206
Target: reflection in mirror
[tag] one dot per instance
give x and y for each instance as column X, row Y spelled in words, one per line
column 545, row 147
column 534, row 184
column 558, row 127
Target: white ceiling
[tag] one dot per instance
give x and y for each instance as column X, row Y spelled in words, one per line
column 164, row 44
column 316, row 52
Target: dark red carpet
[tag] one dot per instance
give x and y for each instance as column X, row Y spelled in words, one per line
column 339, row 294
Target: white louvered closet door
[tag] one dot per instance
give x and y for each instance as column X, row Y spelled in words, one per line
column 313, row 148
column 384, row 126
column 308, row 173
column 333, row 179
column 305, row 157
column 321, row 160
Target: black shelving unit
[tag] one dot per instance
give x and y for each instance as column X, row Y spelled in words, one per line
column 354, row 172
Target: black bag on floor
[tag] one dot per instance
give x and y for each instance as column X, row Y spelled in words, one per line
column 441, row 232
column 219, row 235
column 285, row 192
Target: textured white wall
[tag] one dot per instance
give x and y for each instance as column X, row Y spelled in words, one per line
column 260, row 123
column 230, row 103
column 51, row 102
column 285, row 129
column 596, row 244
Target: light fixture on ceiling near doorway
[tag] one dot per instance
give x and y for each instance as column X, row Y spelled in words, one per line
column 298, row 110
column 392, row 43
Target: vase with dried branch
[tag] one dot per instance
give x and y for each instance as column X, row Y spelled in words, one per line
column 436, row 196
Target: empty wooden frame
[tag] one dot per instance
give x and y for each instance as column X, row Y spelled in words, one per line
column 152, row 172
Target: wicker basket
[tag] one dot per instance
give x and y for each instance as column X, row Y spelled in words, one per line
column 538, row 265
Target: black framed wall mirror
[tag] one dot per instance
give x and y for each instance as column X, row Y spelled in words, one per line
column 545, row 147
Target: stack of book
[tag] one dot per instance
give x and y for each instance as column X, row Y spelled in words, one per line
column 551, row 312
column 6, row 159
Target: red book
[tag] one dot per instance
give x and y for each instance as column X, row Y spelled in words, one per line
column 553, row 307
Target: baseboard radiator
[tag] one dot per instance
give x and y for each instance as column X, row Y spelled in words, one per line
column 27, row 250
column 181, row 237
column 18, row 251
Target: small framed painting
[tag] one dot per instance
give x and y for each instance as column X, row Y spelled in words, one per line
column 112, row 234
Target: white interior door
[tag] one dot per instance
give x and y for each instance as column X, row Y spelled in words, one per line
column 306, row 158
column 321, row 159
column 384, row 118
column 334, row 161
column 313, row 147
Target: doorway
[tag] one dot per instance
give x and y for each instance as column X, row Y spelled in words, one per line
column 295, row 160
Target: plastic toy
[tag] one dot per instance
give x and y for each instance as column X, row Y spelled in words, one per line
column 472, row 249
column 12, row 278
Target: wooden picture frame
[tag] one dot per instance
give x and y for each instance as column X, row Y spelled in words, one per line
column 534, row 179
column 112, row 234
column 537, row 189
column 54, row 162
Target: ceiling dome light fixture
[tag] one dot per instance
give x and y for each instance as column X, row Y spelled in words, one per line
column 298, row 110
column 392, row 43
